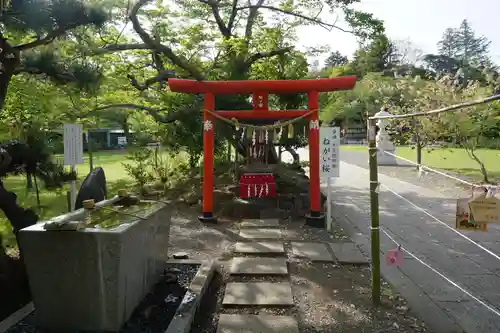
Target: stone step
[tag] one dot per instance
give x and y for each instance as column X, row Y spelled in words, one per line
column 312, row 251
column 260, row 233
column 258, row 293
column 258, row 266
column 262, row 323
column 348, row 253
column 259, row 223
column 259, row 247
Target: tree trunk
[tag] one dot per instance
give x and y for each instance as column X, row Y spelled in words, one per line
column 241, row 147
column 29, row 181
column 295, row 156
column 19, row 217
column 418, row 142
column 126, row 129
column 90, row 152
column 481, row 167
column 419, row 153
column 9, row 60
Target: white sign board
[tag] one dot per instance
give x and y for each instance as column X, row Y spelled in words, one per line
column 329, row 162
column 73, row 144
column 122, row 140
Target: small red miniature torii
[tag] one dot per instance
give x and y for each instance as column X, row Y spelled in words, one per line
column 260, row 91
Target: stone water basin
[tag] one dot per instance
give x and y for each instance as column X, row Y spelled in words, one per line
column 93, row 278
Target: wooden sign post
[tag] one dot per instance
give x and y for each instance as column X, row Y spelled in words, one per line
column 329, row 139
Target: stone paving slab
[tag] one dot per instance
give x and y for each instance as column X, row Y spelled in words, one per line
column 260, row 233
column 259, row 223
column 312, row 251
column 236, row 323
column 258, row 293
column 348, row 253
column 445, row 308
column 259, row 247
column 258, row 266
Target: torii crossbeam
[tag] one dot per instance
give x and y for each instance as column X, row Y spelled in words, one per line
column 260, row 91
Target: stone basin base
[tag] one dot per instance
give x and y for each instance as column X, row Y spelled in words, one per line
column 92, row 279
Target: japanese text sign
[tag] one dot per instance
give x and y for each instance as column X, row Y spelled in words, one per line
column 73, row 144
column 329, row 162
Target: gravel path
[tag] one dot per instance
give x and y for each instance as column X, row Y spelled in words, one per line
column 327, row 297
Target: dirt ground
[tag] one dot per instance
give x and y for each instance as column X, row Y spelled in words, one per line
column 327, row 297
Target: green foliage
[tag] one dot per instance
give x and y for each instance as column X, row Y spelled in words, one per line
column 336, row 59
column 45, row 16
column 463, row 45
column 363, row 24
column 83, row 75
column 463, row 57
column 379, row 55
column 139, row 167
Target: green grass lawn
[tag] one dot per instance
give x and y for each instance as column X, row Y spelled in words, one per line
column 54, row 202
column 454, row 159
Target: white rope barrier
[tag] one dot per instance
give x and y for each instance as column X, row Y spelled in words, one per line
column 447, row 279
column 421, row 166
column 491, row 253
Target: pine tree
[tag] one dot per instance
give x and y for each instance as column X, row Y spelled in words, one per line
column 464, row 45
column 29, row 25
column 447, row 45
column 470, row 49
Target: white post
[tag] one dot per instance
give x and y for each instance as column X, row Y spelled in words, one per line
column 73, row 154
column 329, row 204
column 329, row 164
column 73, row 190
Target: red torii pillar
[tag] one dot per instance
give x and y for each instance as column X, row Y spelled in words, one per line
column 260, row 91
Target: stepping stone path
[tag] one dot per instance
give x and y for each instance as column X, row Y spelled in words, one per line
column 260, row 294
column 312, row 251
column 260, row 233
column 236, row 323
column 263, row 240
column 259, row 247
column 260, row 223
column 264, row 266
column 348, row 253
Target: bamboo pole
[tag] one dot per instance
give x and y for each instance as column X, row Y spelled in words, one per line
column 374, row 208
column 445, row 109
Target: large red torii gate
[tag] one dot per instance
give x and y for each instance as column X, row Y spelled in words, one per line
column 260, row 91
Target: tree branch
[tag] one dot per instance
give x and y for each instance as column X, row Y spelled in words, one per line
column 232, row 17
column 149, row 41
column 261, row 55
column 325, row 25
column 218, row 19
column 251, row 18
column 65, row 77
column 165, row 119
column 49, row 38
column 121, row 47
column 160, row 77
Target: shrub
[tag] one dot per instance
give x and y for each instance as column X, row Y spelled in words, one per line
column 139, row 166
